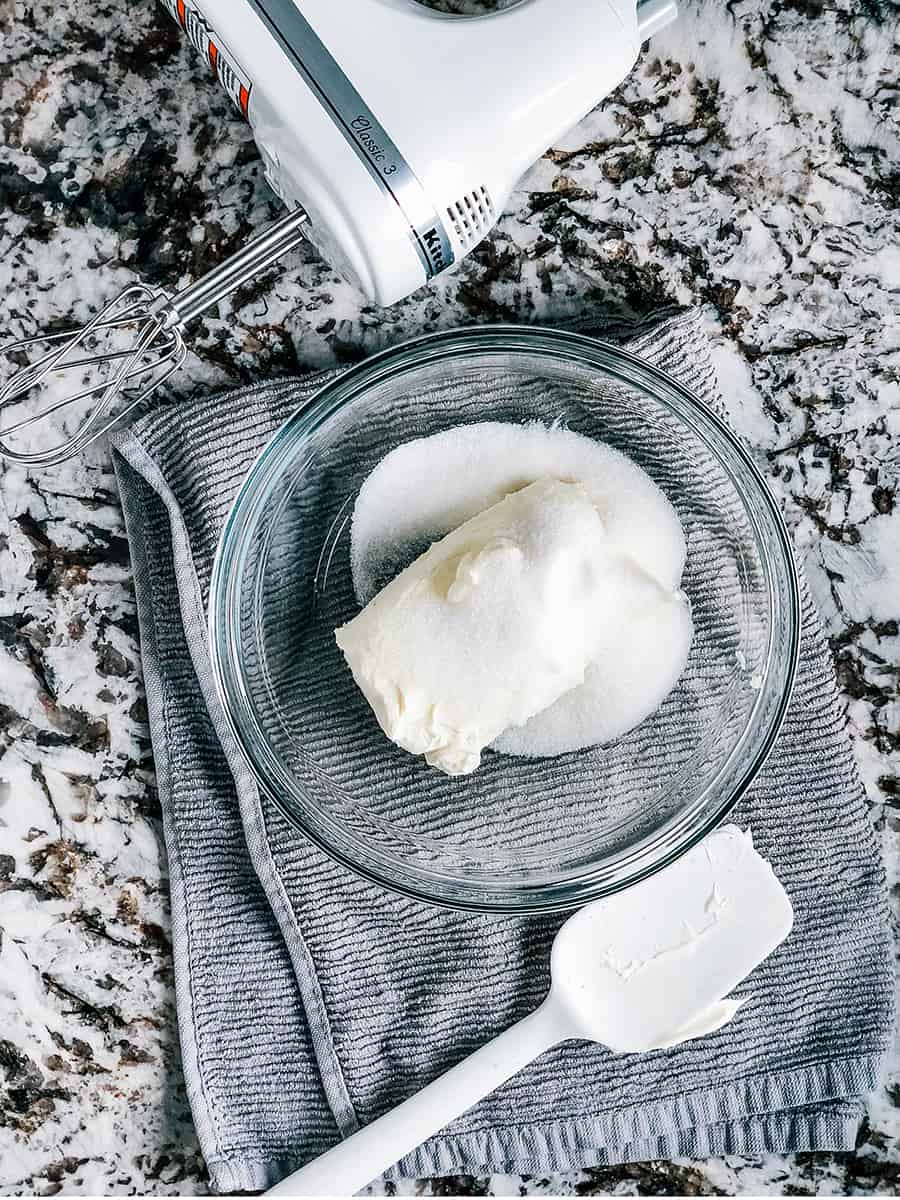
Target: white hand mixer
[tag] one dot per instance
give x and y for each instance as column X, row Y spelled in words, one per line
column 394, row 134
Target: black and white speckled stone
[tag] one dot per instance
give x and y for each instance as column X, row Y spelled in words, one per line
column 750, row 164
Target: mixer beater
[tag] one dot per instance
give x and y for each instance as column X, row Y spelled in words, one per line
column 123, row 377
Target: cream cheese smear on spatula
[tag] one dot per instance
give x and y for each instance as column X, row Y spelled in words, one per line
column 642, row 970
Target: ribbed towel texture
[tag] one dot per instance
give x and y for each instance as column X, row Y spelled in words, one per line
column 311, row 1001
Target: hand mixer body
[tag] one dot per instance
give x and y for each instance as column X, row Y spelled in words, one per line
column 402, row 131
column 395, row 135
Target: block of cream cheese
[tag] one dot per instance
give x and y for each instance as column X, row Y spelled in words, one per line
column 489, row 626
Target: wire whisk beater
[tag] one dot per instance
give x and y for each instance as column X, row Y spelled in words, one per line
column 120, row 357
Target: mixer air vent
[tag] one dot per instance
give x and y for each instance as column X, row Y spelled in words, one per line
column 472, row 216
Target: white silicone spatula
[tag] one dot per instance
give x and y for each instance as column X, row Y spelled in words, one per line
column 643, row 969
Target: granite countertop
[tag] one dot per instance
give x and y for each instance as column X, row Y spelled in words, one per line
column 748, row 165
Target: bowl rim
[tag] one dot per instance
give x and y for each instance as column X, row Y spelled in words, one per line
column 412, row 354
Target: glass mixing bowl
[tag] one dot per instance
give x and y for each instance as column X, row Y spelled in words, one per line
column 519, row 834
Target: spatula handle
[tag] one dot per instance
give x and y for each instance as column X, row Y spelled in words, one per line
column 365, row 1155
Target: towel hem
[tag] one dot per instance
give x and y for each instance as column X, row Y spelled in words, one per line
column 581, row 1143
column 154, row 690
column 130, row 452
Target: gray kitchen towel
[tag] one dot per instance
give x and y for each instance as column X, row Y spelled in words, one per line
column 310, row 1001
